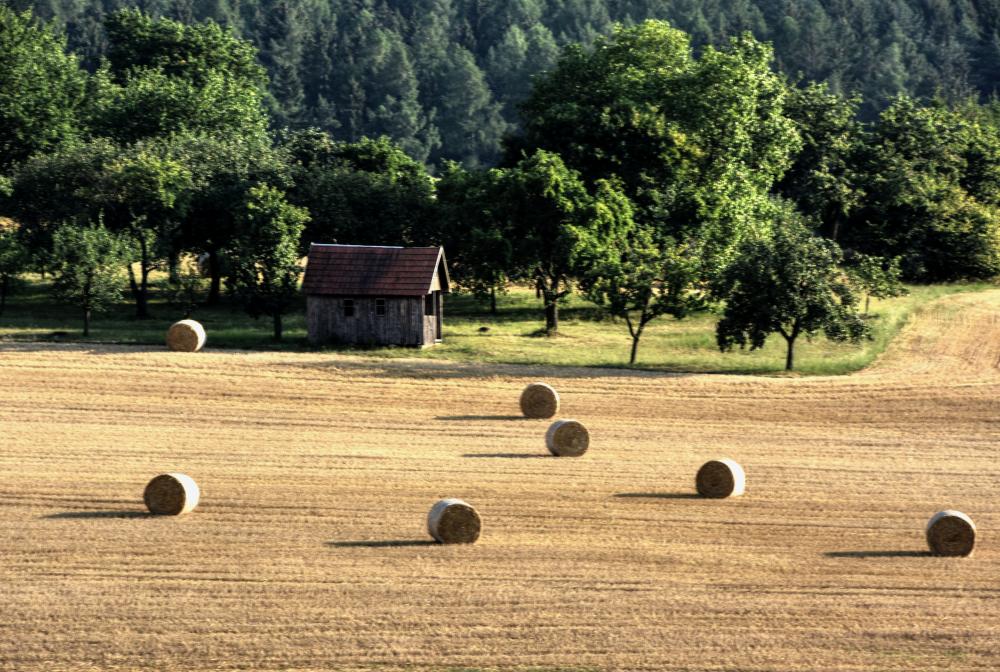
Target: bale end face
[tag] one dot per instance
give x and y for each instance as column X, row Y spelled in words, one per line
column 720, row 478
column 951, row 533
column 171, row 495
column 186, row 336
column 453, row 521
column 539, row 401
column 567, row 438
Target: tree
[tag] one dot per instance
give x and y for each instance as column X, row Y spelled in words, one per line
column 696, row 143
column 223, row 169
column 555, row 225
column 139, row 196
column 875, row 276
column 86, row 264
column 163, row 77
column 788, row 283
column 932, row 193
column 339, row 182
column 41, row 88
column 643, row 278
column 13, row 259
column 264, row 256
column 477, row 240
column 822, row 180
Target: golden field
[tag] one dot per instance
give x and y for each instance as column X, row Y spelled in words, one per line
column 308, row 550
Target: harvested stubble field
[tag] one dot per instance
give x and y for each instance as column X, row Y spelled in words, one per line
column 308, row 550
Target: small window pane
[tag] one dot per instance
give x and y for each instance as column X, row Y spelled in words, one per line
column 429, row 304
column 348, row 307
column 380, row 306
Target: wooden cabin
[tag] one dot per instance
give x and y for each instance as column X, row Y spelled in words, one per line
column 375, row 295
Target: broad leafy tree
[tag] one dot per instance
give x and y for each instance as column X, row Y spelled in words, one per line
column 41, row 88
column 696, row 143
column 164, row 77
column 787, row 283
column 86, row 264
column 367, row 192
column 823, row 181
column 468, row 222
column 877, row 277
column 14, row 259
column 556, row 226
column 264, row 256
column 932, row 193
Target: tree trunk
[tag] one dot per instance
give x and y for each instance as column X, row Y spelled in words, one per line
column 174, row 267
column 4, row 288
column 551, row 298
column 790, row 355
column 551, row 317
column 493, row 300
column 86, row 321
column 142, row 297
column 868, row 298
column 635, row 345
column 215, row 271
column 278, row 328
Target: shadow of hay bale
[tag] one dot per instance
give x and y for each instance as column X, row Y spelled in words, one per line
column 385, row 543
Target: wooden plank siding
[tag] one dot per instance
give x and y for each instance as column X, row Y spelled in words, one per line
column 402, row 324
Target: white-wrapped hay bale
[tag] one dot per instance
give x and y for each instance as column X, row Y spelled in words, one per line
column 539, row 400
column 951, row 533
column 720, row 478
column 567, row 438
column 453, row 521
column 171, row 494
column 186, row 336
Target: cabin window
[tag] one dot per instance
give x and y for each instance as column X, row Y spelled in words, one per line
column 380, row 307
column 429, row 304
column 348, row 307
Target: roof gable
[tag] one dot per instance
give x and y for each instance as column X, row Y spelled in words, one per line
column 374, row 270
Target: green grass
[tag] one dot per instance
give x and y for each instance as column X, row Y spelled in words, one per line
column 514, row 335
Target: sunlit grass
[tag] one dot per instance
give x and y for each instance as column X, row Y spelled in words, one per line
column 587, row 337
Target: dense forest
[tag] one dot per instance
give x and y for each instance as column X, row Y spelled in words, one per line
column 443, row 78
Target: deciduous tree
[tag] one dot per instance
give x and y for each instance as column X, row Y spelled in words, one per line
column 86, row 264
column 264, row 256
column 787, row 283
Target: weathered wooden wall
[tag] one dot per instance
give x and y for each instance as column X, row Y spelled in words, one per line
column 402, row 324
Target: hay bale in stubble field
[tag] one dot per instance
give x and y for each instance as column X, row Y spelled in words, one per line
column 951, row 533
column 539, row 401
column 186, row 336
column 171, row 494
column 720, row 478
column 453, row 521
column 567, row 438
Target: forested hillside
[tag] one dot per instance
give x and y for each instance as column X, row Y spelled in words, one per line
column 443, row 77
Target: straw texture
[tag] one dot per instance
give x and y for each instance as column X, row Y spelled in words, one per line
column 171, row 495
column 186, row 336
column 951, row 533
column 453, row 521
column 539, row 400
column 567, row 438
column 720, row 478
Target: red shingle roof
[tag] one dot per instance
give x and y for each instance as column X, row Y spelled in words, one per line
column 365, row 270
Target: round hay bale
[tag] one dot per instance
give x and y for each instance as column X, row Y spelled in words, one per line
column 720, row 478
column 567, row 438
column 453, row 521
column 539, row 401
column 171, row 494
column 186, row 336
column 951, row 533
